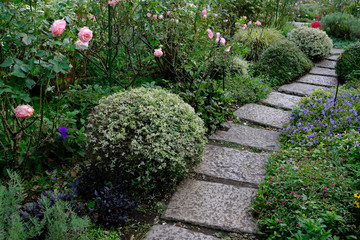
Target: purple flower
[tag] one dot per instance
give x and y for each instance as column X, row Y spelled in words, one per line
column 47, row 192
column 63, row 133
column 54, row 178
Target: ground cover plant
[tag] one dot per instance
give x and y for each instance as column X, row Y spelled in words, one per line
column 312, row 184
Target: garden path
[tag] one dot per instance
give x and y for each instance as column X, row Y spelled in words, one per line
column 219, row 195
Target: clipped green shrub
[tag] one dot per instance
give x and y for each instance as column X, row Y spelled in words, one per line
column 348, row 62
column 282, row 62
column 234, row 64
column 341, row 25
column 145, row 139
column 246, row 89
column 238, row 65
column 312, row 41
column 257, row 40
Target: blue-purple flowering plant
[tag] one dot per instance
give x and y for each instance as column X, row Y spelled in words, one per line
column 63, row 133
column 319, row 121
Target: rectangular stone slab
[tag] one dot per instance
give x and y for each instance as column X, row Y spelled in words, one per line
column 326, row 64
column 170, row 232
column 318, row 80
column 212, row 205
column 336, row 51
column 263, row 115
column 248, row 136
column 233, row 164
column 281, row 100
column 299, row 89
column 323, row 71
column 333, row 57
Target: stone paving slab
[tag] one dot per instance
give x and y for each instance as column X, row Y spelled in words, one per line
column 248, row 136
column 333, row 57
column 323, row 71
column 263, row 115
column 337, row 51
column 318, row 80
column 212, row 205
column 170, row 232
column 281, row 100
column 299, row 89
column 233, row 164
column 326, row 64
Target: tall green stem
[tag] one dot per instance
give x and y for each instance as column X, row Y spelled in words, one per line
column 109, row 50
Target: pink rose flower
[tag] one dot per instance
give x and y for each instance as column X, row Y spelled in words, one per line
column 168, row 13
column 245, row 17
column 279, row 221
column 227, row 49
column 226, row 20
column 148, row 15
column 217, row 37
column 211, row 34
column 154, row 17
column 258, row 23
column 222, row 41
column 58, row 27
column 161, row 16
column 85, row 34
column 331, row 184
column 23, row 111
column 325, row 188
column 80, row 43
column 92, row 17
column 158, row 52
column 177, row 21
column 249, row 23
column 203, row 12
column 112, row 3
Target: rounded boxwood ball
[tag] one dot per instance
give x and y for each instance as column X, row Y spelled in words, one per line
column 282, row 62
column 314, row 42
column 146, row 139
column 348, row 62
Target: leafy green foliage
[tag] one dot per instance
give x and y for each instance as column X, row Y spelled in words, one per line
column 312, row 41
column 257, row 40
column 341, row 25
column 145, row 139
column 282, row 62
column 209, row 100
column 246, row 89
column 306, row 193
column 287, row 28
column 49, row 218
column 348, row 62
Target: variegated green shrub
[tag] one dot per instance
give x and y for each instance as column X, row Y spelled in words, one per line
column 145, row 138
column 314, row 42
